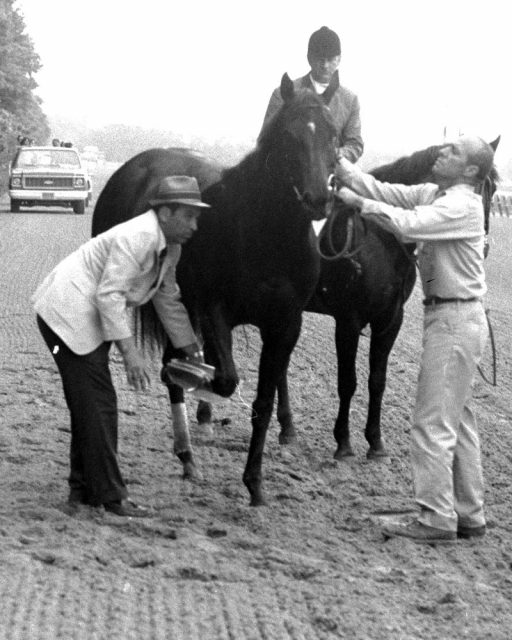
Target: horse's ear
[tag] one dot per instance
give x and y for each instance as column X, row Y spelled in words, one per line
column 494, row 144
column 287, row 88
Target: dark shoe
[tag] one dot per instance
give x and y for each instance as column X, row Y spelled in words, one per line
column 77, row 497
column 419, row 532
column 126, row 508
column 471, row 532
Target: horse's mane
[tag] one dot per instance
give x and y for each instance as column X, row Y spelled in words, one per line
column 413, row 169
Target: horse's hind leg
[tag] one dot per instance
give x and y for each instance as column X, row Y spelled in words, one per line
column 347, row 340
column 380, row 348
column 287, row 435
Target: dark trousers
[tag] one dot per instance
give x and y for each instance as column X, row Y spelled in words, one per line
column 91, row 398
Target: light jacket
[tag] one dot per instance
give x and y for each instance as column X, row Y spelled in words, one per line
column 85, row 299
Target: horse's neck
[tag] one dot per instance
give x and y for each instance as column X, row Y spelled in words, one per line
column 256, row 199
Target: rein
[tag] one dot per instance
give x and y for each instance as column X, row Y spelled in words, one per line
column 326, row 232
column 493, row 349
column 486, row 191
column 351, row 247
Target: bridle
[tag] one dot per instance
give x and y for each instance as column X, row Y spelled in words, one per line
column 288, row 174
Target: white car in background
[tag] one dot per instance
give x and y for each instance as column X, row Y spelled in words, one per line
column 49, row 177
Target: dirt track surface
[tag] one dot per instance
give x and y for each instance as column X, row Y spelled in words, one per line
column 313, row 564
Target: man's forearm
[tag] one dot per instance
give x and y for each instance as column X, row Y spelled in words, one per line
column 398, row 195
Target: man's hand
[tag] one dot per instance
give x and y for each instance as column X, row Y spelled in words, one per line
column 343, row 171
column 349, row 197
column 134, row 364
column 136, row 371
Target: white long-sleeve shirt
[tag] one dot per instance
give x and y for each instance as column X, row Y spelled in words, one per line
column 448, row 225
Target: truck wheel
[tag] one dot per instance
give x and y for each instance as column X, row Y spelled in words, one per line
column 79, row 207
column 15, row 206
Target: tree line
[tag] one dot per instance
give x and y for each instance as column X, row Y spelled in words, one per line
column 119, row 142
column 20, row 108
column 22, row 116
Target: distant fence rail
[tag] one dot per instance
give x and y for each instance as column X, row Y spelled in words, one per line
column 502, row 204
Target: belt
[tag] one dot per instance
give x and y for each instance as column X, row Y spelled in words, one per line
column 432, row 301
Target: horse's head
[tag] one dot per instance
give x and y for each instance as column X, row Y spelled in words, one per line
column 487, row 191
column 299, row 148
column 417, row 168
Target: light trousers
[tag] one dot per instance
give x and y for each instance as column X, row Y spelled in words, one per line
column 445, row 448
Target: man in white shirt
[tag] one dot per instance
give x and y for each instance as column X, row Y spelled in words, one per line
column 446, row 219
column 82, row 307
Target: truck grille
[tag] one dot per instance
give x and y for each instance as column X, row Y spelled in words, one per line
column 47, row 182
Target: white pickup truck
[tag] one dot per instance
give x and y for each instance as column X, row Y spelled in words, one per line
column 49, row 177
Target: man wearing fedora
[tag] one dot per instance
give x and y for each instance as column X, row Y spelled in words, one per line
column 82, row 307
column 324, row 55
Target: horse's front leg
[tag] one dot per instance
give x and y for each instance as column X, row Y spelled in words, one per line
column 180, row 424
column 287, row 435
column 218, row 351
column 380, row 348
column 347, row 341
column 274, row 359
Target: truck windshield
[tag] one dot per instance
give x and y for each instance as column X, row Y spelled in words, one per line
column 47, row 158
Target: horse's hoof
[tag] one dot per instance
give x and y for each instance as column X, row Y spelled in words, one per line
column 258, row 500
column 191, row 472
column 343, row 452
column 204, row 430
column 287, row 438
column 376, row 454
column 223, row 422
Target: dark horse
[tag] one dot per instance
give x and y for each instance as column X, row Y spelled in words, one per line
column 253, row 258
column 366, row 277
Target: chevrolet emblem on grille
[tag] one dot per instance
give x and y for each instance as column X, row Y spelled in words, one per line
column 48, row 182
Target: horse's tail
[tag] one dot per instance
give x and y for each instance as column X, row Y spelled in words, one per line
column 149, row 332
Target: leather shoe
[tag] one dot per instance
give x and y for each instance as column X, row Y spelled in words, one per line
column 471, row 532
column 77, row 497
column 126, row 508
column 419, row 532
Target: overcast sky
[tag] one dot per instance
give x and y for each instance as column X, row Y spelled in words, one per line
column 207, row 67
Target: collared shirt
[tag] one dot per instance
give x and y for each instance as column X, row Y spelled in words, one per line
column 319, row 87
column 344, row 107
column 448, row 225
column 85, row 299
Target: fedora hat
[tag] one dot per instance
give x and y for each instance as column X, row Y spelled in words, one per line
column 179, row 189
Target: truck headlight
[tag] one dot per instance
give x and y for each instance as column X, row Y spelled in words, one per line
column 15, row 181
column 78, row 183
